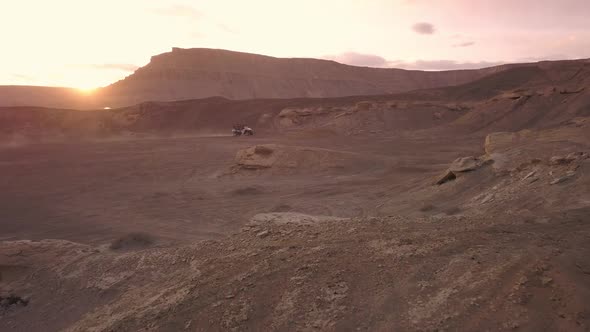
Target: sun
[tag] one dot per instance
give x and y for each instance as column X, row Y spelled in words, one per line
column 87, row 90
column 85, row 86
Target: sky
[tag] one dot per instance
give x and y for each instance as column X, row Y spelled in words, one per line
column 92, row 43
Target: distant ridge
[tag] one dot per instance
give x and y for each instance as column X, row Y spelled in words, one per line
column 196, row 73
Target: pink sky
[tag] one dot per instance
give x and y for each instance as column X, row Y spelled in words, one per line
column 85, row 43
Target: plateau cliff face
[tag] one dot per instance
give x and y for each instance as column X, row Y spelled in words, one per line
column 199, row 73
column 184, row 74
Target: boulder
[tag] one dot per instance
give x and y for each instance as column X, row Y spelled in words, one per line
column 560, row 160
column 465, row 164
column 446, row 177
column 566, row 91
column 263, row 234
column 460, row 165
column 563, row 178
column 566, row 160
column 529, row 175
column 578, row 156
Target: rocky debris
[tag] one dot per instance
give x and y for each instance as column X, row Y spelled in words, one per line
column 7, row 302
column 465, row 164
column 579, row 155
column 460, row 165
column 560, row 160
column 291, row 159
column 295, row 112
column 446, row 177
column 563, row 178
column 281, row 218
column 566, row 91
column 516, row 95
column 263, row 234
column 326, row 275
column 529, row 175
column 293, row 116
column 545, row 281
column 529, row 163
column 570, row 163
column 487, row 199
column 578, row 122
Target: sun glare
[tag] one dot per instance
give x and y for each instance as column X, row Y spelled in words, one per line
column 86, row 91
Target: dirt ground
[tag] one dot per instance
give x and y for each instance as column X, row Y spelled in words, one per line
column 395, row 251
column 178, row 189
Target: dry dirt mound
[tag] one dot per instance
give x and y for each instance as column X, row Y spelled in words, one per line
column 292, row 159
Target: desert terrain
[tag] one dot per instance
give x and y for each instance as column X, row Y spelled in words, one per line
column 464, row 208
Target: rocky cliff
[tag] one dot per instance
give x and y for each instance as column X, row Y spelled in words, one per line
column 198, row 73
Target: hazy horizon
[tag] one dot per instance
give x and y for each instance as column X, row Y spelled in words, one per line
column 85, row 44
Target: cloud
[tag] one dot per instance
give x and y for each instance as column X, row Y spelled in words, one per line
column 179, row 11
column 111, row 66
column 441, row 64
column 22, row 78
column 372, row 60
column 465, row 44
column 549, row 57
column 424, row 28
column 358, row 59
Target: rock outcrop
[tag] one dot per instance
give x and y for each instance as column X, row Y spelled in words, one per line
column 199, row 73
column 465, row 164
column 459, row 166
column 258, row 157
